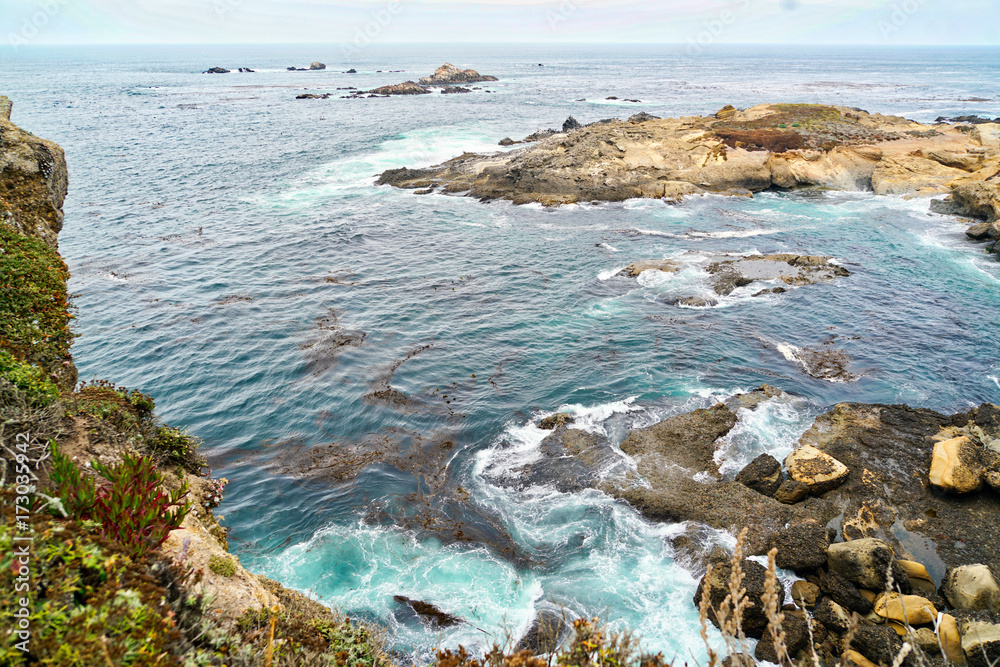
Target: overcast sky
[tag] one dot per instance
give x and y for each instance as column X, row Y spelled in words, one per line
column 388, row 21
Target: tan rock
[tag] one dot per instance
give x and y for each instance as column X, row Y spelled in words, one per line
column 906, row 609
column 863, row 562
column 725, row 112
column 971, row 587
column 871, row 596
column 963, row 161
column 852, row 657
column 951, row 639
column 635, row 268
column 981, row 643
column 925, row 640
column 805, row 594
column 914, row 570
column 955, row 466
column 816, row 469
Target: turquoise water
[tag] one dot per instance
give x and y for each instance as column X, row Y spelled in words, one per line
column 231, row 255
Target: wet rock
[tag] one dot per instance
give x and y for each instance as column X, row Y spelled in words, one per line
column 958, row 465
column 824, row 363
column 507, row 141
column 448, row 74
column 547, row 632
column 981, row 643
column 793, row 270
column 635, row 268
column 572, row 460
column 791, row 492
column 405, row 88
column 246, row 70
column 796, row 639
column 801, row 546
column 553, row 421
column 312, row 96
column 428, row 612
column 981, row 231
column 753, row 618
column 216, row 70
column 764, row 476
column 773, row 290
column 971, row 587
column 687, row 440
column 805, row 594
column 865, row 562
column 692, row 302
column 816, row 469
column 571, row 124
column 879, row 643
column 451, row 90
column 906, row 609
column 752, row 399
column 843, row 592
column 832, row 615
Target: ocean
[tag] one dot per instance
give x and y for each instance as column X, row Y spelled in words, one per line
column 231, row 256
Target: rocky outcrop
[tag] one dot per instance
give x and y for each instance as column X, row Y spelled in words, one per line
column 405, row 88
column 572, row 460
column 317, row 66
column 33, row 181
column 792, row 270
column 635, row 268
column 687, row 440
column 6, row 106
column 216, row 70
column 448, row 74
column 737, row 152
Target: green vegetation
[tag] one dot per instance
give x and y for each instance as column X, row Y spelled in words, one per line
column 34, row 304
column 222, row 565
column 30, row 380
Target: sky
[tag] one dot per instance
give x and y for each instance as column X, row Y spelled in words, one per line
column 912, row 22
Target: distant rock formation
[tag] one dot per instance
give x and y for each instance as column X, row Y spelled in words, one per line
column 405, row 88
column 448, row 74
column 216, row 70
column 316, row 66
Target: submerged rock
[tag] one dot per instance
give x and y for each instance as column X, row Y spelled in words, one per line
column 793, row 270
column 428, row 612
column 635, row 268
column 571, row 461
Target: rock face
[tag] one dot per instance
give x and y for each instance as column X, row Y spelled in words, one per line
column 405, row 88
column 448, row 74
column 33, row 181
column 738, row 152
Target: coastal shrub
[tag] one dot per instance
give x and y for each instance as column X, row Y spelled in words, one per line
column 177, row 447
column 34, row 304
column 131, row 506
column 222, row 565
column 32, row 381
column 297, row 638
column 773, row 140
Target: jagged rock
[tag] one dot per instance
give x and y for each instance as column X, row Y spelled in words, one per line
column 796, row 639
column 978, row 199
column 981, row 643
column 752, row 399
column 764, row 476
column 805, row 594
column 843, row 592
column 906, row 609
column 571, row 124
column 448, row 74
column 726, row 112
column 316, row 66
column 552, row 421
column 793, row 270
column 6, row 106
column 832, row 615
column 801, row 546
column 217, row 70
column 981, row 231
column 816, row 469
column 879, row 643
column 405, row 88
column 739, row 660
column 351, row 71
column 452, row 90
column 428, row 612
column 688, row 439
column 791, row 492
column 956, row 466
column 753, row 618
column 313, row 96
column 971, row 587
column 546, row 633
column 635, row 268
column 865, row 562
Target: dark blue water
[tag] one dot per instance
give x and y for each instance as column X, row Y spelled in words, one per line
column 231, row 255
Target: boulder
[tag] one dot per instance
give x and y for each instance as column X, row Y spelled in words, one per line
column 428, row 612
column 980, row 231
column 791, row 492
column 553, row 421
column 957, row 466
column 801, row 546
column 635, row 268
column 865, row 562
column 507, row 141
column 925, row 640
column 844, row 593
column 905, row 609
column 816, row 469
column 571, row 124
column 981, row 643
column 971, row 587
column 878, row 643
column 764, row 476
column 914, row 570
column 805, row 594
column 796, row 639
column 753, row 619
column 852, row 657
column 950, row 639
column 726, row 112
column 316, row 66
column 832, row 615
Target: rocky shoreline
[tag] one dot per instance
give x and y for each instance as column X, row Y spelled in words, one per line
column 769, row 146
